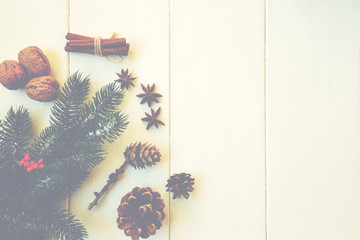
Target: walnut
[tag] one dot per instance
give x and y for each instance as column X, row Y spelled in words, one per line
column 35, row 61
column 43, row 89
column 12, row 75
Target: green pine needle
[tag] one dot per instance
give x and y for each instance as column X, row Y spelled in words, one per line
column 109, row 127
column 15, row 136
column 71, row 146
column 72, row 96
column 51, row 188
column 57, row 224
column 105, row 100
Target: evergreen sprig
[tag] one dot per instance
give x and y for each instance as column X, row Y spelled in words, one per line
column 71, row 146
column 66, row 107
column 15, row 134
column 95, row 121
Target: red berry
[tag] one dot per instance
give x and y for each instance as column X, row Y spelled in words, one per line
column 21, row 162
column 41, row 166
column 29, row 169
column 40, row 160
column 27, row 156
column 26, row 164
column 35, row 166
column 32, row 162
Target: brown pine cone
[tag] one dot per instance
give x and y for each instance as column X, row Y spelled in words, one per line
column 180, row 184
column 141, row 212
column 140, row 155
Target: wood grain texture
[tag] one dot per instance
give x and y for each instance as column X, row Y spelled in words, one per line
column 217, row 134
column 207, row 60
column 313, row 120
column 145, row 26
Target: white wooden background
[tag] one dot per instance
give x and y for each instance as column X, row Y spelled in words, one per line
column 261, row 101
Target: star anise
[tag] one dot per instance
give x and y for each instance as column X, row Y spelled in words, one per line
column 149, row 96
column 125, row 79
column 152, row 119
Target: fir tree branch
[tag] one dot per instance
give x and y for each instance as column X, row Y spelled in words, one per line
column 70, row 146
column 1, row 133
column 99, row 119
column 66, row 173
column 65, row 113
column 84, row 155
column 58, row 224
column 44, row 144
column 65, row 226
column 95, row 117
column 67, row 107
column 106, row 100
column 15, row 136
column 109, row 127
column 52, row 189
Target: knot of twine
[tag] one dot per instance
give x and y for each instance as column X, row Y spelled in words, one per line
column 98, row 48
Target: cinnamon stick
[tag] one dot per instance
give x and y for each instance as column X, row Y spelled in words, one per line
column 123, row 40
column 83, row 44
column 73, row 36
column 105, row 43
column 120, row 51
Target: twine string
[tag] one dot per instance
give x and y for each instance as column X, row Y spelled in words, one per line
column 98, row 49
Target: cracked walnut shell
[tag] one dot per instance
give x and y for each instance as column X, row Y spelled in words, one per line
column 43, row 89
column 35, row 61
column 12, row 75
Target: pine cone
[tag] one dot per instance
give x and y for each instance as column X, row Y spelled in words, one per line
column 140, row 155
column 180, row 184
column 140, row 213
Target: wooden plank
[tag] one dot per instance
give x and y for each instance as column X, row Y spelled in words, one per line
column 145, row 26
column 217, row 133
column 313, row 120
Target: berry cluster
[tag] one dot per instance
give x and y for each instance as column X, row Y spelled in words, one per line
column 31, row 165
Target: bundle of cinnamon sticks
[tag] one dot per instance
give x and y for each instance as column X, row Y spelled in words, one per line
column 83, row 44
